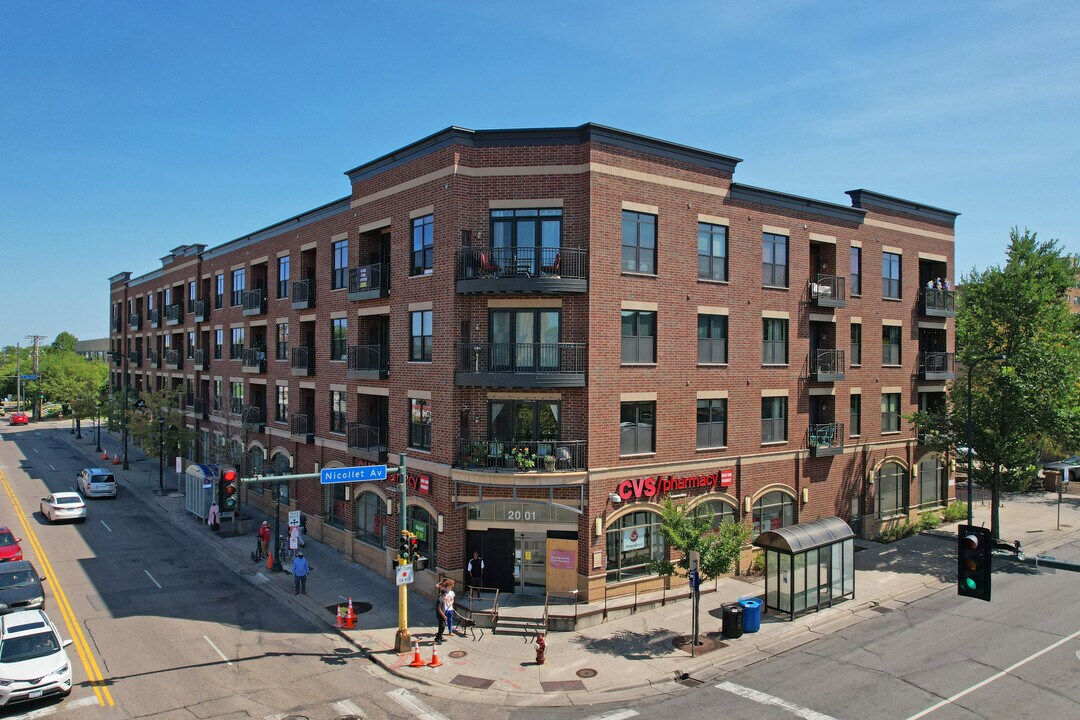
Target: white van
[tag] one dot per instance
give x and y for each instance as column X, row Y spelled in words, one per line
column 95, row 482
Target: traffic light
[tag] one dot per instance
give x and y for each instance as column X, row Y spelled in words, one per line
column 973, row 562
column 404, row 551
column 228, row 488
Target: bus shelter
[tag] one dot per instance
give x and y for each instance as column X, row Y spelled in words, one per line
column 808, row 565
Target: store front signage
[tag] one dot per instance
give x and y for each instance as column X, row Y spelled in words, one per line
column 633, row 539
column 649, row 487
column 562, row 559
column 418, row 482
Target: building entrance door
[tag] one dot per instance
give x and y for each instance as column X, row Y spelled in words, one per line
column 530, row 564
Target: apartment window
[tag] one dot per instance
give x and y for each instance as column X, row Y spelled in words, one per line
column 773, row 419
column 856, row 344
column 236, row 346
column 423, row 229
column 774, row 260
column 527, row 239
column 218, row 398
column 711, row 423
column 219, row 342
column 637, row 428
column 890, row 412
column 283, row 276
column 420, row 336
column 339, row 336
column 711, row 252
column 339, row 276
column 891, row 489
column 890, row 344
column 191, row 296
column 236, row 397
column 638, row 242
column 712, row 334
column 190, row 344
column 855, row 413
column 773, row 511
column 523, row 340
column 282, row 348
column 338, row 411
column 239, row 279
column 890, row 275
column 774, row 341
column 168, row 297
column 856, row 271
column 638, row 336
column 281, row 405
column 219, row 291
column 420, row 424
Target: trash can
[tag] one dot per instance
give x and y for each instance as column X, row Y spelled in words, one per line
column 733, row 620
column 751, row 620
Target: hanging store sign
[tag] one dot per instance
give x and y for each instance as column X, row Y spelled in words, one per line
column 633, row 539
column 650, row 487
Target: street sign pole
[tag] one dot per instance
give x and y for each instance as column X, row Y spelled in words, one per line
column 402, row 641
column 695, row 583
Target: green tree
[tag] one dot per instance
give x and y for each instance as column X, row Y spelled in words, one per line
column 146, row 429
column 71, row 380
column 65, row 341
column 685, row 531
column 1029, row 403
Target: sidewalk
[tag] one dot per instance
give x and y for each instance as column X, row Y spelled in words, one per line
column 624, row 659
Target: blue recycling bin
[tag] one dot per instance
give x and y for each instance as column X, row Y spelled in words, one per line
column 751, row 619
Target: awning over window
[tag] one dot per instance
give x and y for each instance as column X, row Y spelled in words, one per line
column 805, row 536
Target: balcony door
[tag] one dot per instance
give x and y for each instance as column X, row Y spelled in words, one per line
column 524, row 340
column 525, row 240
column 525, row 423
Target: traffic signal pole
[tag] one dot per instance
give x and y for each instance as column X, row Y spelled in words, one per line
column 402, row 640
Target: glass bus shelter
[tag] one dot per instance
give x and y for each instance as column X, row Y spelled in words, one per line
column 808, row 565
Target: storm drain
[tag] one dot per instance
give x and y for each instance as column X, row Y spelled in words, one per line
column 685, row 679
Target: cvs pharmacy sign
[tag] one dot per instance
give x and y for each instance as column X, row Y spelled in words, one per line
column 650, row 487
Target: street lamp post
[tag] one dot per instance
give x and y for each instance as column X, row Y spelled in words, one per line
column 971, row 475
column 277, row 529
column 97, row 422
column 161, row 455
column 124, row 432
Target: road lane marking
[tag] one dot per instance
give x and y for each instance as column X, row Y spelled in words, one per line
column 348, row 707
column 407, row 700
column 766, row 699
column 152, row 579
column 35, row 449
column 66, row 705
column 992, row 678
column 217, row 649
column 106, row 526
column 52, row 468
column 614, row 715
column 89, row 662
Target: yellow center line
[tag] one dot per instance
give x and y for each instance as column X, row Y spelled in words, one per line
column 93, row 672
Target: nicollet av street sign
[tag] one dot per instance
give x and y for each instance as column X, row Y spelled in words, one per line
column 365, row 473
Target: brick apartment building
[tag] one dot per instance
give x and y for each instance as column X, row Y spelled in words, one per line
column 560, row 328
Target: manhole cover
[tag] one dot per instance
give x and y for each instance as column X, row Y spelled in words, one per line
column 358, row 608
column 349, row 717
column 586, row 673
column 458, row 654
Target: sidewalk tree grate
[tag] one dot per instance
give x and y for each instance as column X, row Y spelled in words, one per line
column 706, row 643
column 562, row 685
column 359, row 608
column 458, row 654
column 472, row 682
column 586, row 673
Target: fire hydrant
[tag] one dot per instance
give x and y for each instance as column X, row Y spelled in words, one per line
column 541, row 646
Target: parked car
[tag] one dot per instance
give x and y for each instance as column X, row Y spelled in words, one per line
column 33, row 662
column 20, row 588
column 63, row 506
column 19, row 418
column 10, row 549
column 95, row 482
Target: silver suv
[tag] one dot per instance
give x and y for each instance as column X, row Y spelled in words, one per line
column 95, row 482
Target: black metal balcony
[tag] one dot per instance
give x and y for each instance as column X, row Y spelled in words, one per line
column 825, row 439
column 254, row 418
column 936, row 366
column 135, row 321
column 526, row 365
column 523, row 456
column 174, row 360
column 153, row 359
column 828, row 291
column 303, row 294
column 236, row 406
column 368, row 282
column 202, row 408
column 253, row 360
column 134, row 359
column 200, row 359
column 368, row 442
column 116, row 324
column 202, row 310
column 154, row 318
column 302, row 360
column 301, row 430
column 937, row 303
column 369, row 362
column 254, row 302
column 827, row 365
column 522, row 270
column 174, row 314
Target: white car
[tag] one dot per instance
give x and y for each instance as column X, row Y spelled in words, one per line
column 95, row 482
column 63, row 506
column 33, row 662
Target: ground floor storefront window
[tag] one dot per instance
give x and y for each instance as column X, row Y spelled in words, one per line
column 421, row 524
column 633, row 541
column 335, row 505
column 370, row 519
column 931, row 482
column 773, row 511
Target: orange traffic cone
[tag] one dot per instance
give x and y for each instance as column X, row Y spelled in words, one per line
column 104, row 454
column 435, row 662
column 270, row 560
column 340, row 616
column 350, row 617
column 115, row 459
column 417, row 661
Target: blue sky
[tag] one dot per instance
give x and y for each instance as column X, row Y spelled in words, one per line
column 129, row 128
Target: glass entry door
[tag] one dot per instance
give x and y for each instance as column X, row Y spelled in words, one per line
column 530, row 565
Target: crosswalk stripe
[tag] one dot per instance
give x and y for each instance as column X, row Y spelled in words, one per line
column 407, row 700
column 348, row 707
column 45, row 712
column 766, row 699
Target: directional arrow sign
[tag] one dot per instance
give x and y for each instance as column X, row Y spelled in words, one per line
column 366, row 473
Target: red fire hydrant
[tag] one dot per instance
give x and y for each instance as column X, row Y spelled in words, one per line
column 541, row 646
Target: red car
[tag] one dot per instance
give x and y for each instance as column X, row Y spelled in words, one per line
column 9, row 546
column 19, row 418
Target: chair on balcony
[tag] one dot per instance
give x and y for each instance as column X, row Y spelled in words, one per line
column 553, row 269
column 487, row 267
column 562, row 457
column 823, row 436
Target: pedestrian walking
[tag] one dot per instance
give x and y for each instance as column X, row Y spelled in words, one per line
column 476, row 570
column 213, row 516
column 440, row 614
column 303, row 529
column 300, row 570
column 448, row 604
column 264, row 540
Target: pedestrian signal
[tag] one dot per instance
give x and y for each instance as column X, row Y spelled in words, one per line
column 228, row 488
column 973, row 554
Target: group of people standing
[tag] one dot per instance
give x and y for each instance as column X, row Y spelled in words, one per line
column 938, row 284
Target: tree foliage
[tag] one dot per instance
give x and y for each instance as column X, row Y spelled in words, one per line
column 158, row 421
column 684, row 532
column 64, row 342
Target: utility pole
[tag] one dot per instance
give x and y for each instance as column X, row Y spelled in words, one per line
column 37, row 401
column 18, row 376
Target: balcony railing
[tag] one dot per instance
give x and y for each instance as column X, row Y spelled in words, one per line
column 254, row 302
column 134, row 359
column 200, row 359
column 937, row 303
column 522, row 364
column 523, row 456
column 369, row 281
column 368, row 362
column 135, row 321
column 827, row 365
column 254, row 418
column 202, row 310
column 825, row 439
column 236, row 405
column 116, row 324
column 154, row 318
column 173, row 314
column 303, row 294
column 521, row 269
column 936, row 366
column 828, row 290
column 202, row 408
column 174, row 360
column 301, row 430
column 153, row 359
column 302, row 360
column 253, row 360
column 368, row 441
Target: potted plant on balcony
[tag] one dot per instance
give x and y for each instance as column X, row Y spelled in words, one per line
column 549, row 462
column 523, row 458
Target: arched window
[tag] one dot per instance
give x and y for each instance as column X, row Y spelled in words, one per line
column 420, row 523
column 334, row 504
column 931, row 482
column 255, row 467
column 279, row 465
column 632, row 541
column 371, row 519
column 772, row 511
column 892, row 485
column 719, row 510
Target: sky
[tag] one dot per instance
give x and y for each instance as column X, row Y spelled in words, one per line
column 131, row 128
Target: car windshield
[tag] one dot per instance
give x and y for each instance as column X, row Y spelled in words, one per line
column 6, row 538
column 68, row 501
column 28, row 647
column 16, row 579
